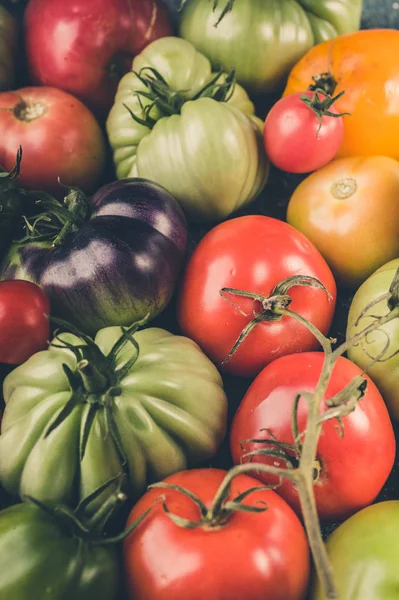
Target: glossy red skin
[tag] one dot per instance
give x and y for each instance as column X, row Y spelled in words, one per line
column 24, row 325
column 293, row 140
column 354, row 467
column 252, row 253
column 262, row 556
column 70, row 43
column 65, row 142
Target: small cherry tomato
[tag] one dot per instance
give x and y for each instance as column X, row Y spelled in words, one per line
column 303, row 132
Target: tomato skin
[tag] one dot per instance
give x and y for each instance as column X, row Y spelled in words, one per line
column 350, row 211
column 368, row 442
column 252, row 253
column 24, row 325
column 260, row 556
column 99, row 36
column 294, row 139
column 364, row 65
column 60, row 138
column 385, row 373
column 364, row 555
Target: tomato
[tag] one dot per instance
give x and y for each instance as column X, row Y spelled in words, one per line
column 42, row 557
column 8, row 48
column 119, row 263
column 364, row 65
column 252, row 253
column 85, row 46
column 299, row 140
column 23, row 321
column 262, row 39
column 364, row 555
column 194, row 140
column 261, row 556
column 60, row 138
column 368, row 443
column 383, row 343
column 350, row 211
column 76, row 418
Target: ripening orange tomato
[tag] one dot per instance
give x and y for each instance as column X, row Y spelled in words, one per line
column 349, row 209
column 365, row 65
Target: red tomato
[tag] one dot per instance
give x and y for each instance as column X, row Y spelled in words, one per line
column 261, row 556
column 85, row 46
column 59, row 137
column 353, row 468
column 294, row 139
column 252, row 253
column 24, row 324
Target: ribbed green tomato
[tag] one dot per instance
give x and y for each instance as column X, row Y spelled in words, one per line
column 40, row 559
column 207, row 153
column 263, row 39
column 364, row 554
column 80, row 414
column 8, row 49
column 383, row 343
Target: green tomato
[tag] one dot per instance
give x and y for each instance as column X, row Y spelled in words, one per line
column 39, row 559
column 83, row 412
column 383, row 343
column 8, row 49
column 263, row 39
column 364, row 553
column 207, row 153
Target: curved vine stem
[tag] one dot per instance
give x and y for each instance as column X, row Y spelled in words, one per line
column 273, row 308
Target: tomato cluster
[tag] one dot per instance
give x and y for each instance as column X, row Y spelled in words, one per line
column 199, row 301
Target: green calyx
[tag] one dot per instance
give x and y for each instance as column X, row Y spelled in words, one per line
column 96, row 379
column 221, row 509
column 169, row 102
column 53, row 221
column 321, row 107
column 268, row 308
column 91, row 529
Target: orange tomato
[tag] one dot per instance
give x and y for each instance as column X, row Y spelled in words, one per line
column 365, row 65
column 349, row 209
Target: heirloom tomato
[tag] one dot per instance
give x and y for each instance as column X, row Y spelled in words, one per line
column 363, row 443
column 350, row 211
column 224, row 555
column 107, row 260
column 364, row 555
column 364, row 65
column 85, row 46
column 82, row 412
column 253, row 254
column 190, row 130
column 60, row 139
column 371, row 302
column 263, row 39
column 53, row 554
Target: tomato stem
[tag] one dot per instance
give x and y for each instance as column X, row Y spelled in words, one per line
column 306, row 442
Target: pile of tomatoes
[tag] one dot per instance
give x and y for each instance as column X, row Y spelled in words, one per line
column 197, row 236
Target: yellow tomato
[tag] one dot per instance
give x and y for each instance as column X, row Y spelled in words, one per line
column 349, row 209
